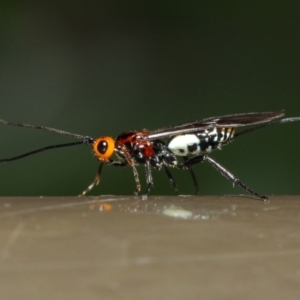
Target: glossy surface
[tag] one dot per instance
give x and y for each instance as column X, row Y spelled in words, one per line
column 162, row 248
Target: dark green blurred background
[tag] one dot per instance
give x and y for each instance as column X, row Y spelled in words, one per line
column 103, row 67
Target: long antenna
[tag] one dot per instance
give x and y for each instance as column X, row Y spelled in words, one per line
column 282, row 121
column 40, row 150
column 85, row 140
column 77, row 136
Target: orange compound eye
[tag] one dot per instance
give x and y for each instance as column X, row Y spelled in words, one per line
column 104, row 147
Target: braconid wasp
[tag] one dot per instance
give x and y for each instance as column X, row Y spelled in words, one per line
column 160, row 148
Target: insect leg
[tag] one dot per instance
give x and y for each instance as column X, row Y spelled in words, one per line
column 189, row 163
column 123, row 152
column 171, row 179
column 198, row 159
column 185, row 158
column 95, row 182
column 232, row 178
column 149, row 179
column 117, row 163
column 137, row 180
column 97, row 178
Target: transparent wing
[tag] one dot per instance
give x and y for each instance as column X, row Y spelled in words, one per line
column 236, row 120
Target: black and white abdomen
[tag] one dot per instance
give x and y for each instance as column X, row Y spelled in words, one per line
column 200, row 142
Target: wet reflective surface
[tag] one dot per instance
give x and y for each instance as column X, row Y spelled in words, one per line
column 162, row 248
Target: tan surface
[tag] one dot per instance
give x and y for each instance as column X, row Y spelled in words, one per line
column 163, row 248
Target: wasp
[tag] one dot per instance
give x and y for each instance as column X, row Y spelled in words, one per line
column 161, row 148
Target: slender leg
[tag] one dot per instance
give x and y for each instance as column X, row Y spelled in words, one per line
column 185, row 158
column 137, row 181
column 149, row 179
column 95, row 182
column 232, row 178
column 130, row 161
column 117, row 163
column 198, row 159
column 135, row 173
column 191, row 162
column 97, row 178
column 171, row 179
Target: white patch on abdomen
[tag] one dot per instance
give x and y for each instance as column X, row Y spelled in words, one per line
column 179, row 144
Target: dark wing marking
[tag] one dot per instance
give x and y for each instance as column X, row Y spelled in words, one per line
column 229, row 121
